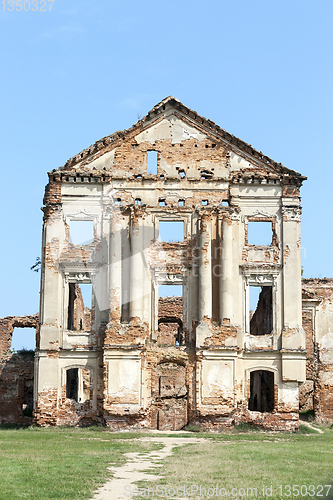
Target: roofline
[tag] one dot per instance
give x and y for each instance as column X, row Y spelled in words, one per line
column 193, row 116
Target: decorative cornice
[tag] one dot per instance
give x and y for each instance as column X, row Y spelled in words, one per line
column 265, row 274
column 291, row 213
column 81, row 214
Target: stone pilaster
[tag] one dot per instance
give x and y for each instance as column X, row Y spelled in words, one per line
column 205, row 271
column 136, row 286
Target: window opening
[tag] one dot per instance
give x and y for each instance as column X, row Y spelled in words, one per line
column 138, row 201
column 28, row 397
column 161, row 203
column 170, row 315
column 182, row 174
column 181, row 203
column 79, row 307
column 260, row 233
column 225, row 203
column 79, row 384
column 171, row 231
column 81, row 232
column 206, row 175
column 204, row 202
column 261, row 391
column 23, row 339
column 117, row 201
column 72, row 383
column 261, row 310
column 152, row 162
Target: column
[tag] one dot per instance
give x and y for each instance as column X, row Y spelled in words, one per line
column 205, row 271
column 226, row 280
column 136, row 274
column 115, row 266
column 292, row 289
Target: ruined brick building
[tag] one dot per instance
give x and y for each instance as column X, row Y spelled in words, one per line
column 176, row 200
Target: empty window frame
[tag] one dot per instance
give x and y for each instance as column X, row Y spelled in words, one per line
column 23, row 339
column 182, row 174
column 181, row 203
column 170, row 315
column 261, row 391
column 81, row 232
column 152, row 162
column 171, row 231
column 79, row 384
column 28, row 397
column 205, row 174
column 72, row 384
column 79, row 307
column 261, row 310
column 260, row 233
column 137, row 201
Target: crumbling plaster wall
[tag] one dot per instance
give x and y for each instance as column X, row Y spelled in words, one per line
column 318, row 320
column 216, row 185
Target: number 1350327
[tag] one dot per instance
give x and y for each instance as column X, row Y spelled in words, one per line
column 34, row 5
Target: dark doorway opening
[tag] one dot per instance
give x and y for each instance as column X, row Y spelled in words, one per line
column 261, row 391
column 72, row 383
column 261, row 319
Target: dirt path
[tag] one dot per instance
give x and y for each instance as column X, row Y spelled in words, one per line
column 307, row 424
column 122, row 485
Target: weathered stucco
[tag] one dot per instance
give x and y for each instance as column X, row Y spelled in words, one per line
column 132, row 359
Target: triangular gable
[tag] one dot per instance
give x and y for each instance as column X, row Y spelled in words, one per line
column 171, row 119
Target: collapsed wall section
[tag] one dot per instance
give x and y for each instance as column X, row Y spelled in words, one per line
column 16, row 373
column 318, row 324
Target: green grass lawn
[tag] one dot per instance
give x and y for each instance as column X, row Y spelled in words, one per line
column 245, row 463
column 60, row 463
column 70, row 463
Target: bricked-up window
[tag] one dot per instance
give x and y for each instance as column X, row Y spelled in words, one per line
column 152, row 162
column 260, row 233
column 81, row 232
column 261, row 391
column 72, row 384
column 171, row 231
column 23, row 338
column 79, row 307
column 261, row 310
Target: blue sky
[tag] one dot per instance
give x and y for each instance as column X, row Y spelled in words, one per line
column 261, row 70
